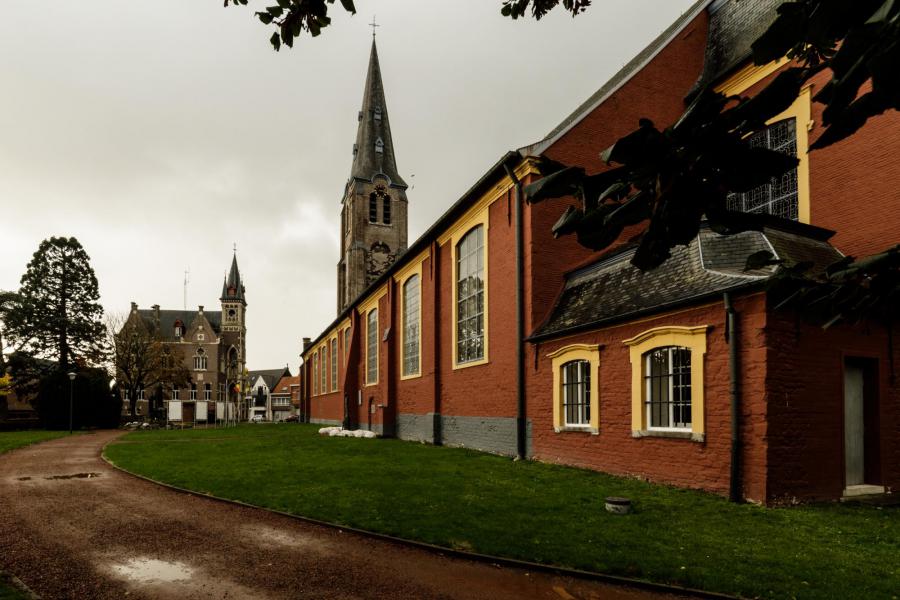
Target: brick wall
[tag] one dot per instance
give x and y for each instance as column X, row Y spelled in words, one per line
column 677, row 461
column 804, row 396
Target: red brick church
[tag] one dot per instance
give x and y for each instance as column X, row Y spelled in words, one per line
column 488, row 333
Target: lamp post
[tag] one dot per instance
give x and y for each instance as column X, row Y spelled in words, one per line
column 71, row 395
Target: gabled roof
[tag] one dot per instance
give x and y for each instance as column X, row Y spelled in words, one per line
column 168, row 318
column 374, row 131
column 271, row 377
column 613, row 290
column 283, row 387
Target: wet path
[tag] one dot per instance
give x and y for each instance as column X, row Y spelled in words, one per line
column 73, row 527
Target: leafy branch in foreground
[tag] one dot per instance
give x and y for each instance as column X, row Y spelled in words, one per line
column 671, row 179
column 292, row 17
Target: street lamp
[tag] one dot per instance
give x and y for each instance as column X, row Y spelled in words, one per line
column 71, row 395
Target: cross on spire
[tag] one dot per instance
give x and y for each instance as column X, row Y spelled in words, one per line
column 373, row 25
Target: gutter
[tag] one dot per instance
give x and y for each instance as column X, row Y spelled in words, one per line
column 521, row 406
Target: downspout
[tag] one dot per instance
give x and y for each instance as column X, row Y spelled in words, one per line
column 437, row 431
column 732, row 337
column 521, row 426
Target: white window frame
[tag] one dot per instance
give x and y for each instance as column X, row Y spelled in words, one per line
column 333, row 356
column 670, row 376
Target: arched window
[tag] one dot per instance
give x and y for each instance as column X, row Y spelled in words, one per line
column 470, row 296
column 200, row 360
column 386, row 209
column 576, row 392
column 411, row 326
column 179, row 329
column 667, row 377
column 373, row 208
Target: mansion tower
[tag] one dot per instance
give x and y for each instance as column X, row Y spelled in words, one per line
column 373, row 212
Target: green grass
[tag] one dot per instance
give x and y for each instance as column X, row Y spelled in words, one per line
column 10, row 440
column 533, row 511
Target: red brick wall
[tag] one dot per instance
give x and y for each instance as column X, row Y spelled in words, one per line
column 487, row 389
column 804, row 389
column 681, row 462
column 416, row 395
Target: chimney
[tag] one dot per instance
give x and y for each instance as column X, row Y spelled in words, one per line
column 134, row 307
column 200, row 307
column 307, row 342
column 155, row 308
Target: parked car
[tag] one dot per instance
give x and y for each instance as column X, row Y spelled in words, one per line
column 257, row 419
column 292, row 419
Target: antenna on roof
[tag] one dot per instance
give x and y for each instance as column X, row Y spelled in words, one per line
column 187, row 280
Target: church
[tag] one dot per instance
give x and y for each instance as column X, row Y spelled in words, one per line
column 488, row 333
column 212, row 346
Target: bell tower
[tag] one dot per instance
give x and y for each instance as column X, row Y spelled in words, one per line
column 234, row 326
column 374, row 206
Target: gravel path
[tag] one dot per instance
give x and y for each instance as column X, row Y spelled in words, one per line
column 73, row 527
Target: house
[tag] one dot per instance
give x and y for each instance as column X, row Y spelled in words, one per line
column 282, row 397
column 211, row 345
column 259, row 393
column 488, row 333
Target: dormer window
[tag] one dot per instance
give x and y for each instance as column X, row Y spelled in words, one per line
column 379, row 146
column 377, row 114
column 179, row 329
column 355, row 149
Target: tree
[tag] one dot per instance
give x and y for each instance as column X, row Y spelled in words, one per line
column 53, row 321
column 142, row 360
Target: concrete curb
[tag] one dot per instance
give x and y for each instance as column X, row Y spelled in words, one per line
column 473, row 556
column 12, row 580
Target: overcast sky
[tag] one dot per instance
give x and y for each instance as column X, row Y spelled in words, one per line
column 160, row 133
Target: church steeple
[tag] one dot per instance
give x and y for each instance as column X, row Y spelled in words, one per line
column 233, row 287
column 373, row 153
column 373, row 211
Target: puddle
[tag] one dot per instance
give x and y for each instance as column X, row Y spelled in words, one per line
column 151, row 570
column 74, row 476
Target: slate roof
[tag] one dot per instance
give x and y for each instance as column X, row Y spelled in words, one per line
column 168, row 318
column 374, row 126
column 612, row 289
column 733, row 26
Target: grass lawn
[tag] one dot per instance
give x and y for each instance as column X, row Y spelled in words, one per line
column 10, row 440
column 533, row 511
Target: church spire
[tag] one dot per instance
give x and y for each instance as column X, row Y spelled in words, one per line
column 233, row 287
column 373, row 153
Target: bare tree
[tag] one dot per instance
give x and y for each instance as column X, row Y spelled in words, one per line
column 141, row 359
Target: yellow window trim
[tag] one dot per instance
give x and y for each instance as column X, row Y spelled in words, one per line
column 586, row 352
column 414, row 266
column 402, row 278
column 800, row 110
column 688, row 337
column 377, row 342
column 371, row 302
column 474, row 220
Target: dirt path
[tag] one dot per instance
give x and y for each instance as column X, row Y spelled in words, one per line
column 73, row 527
